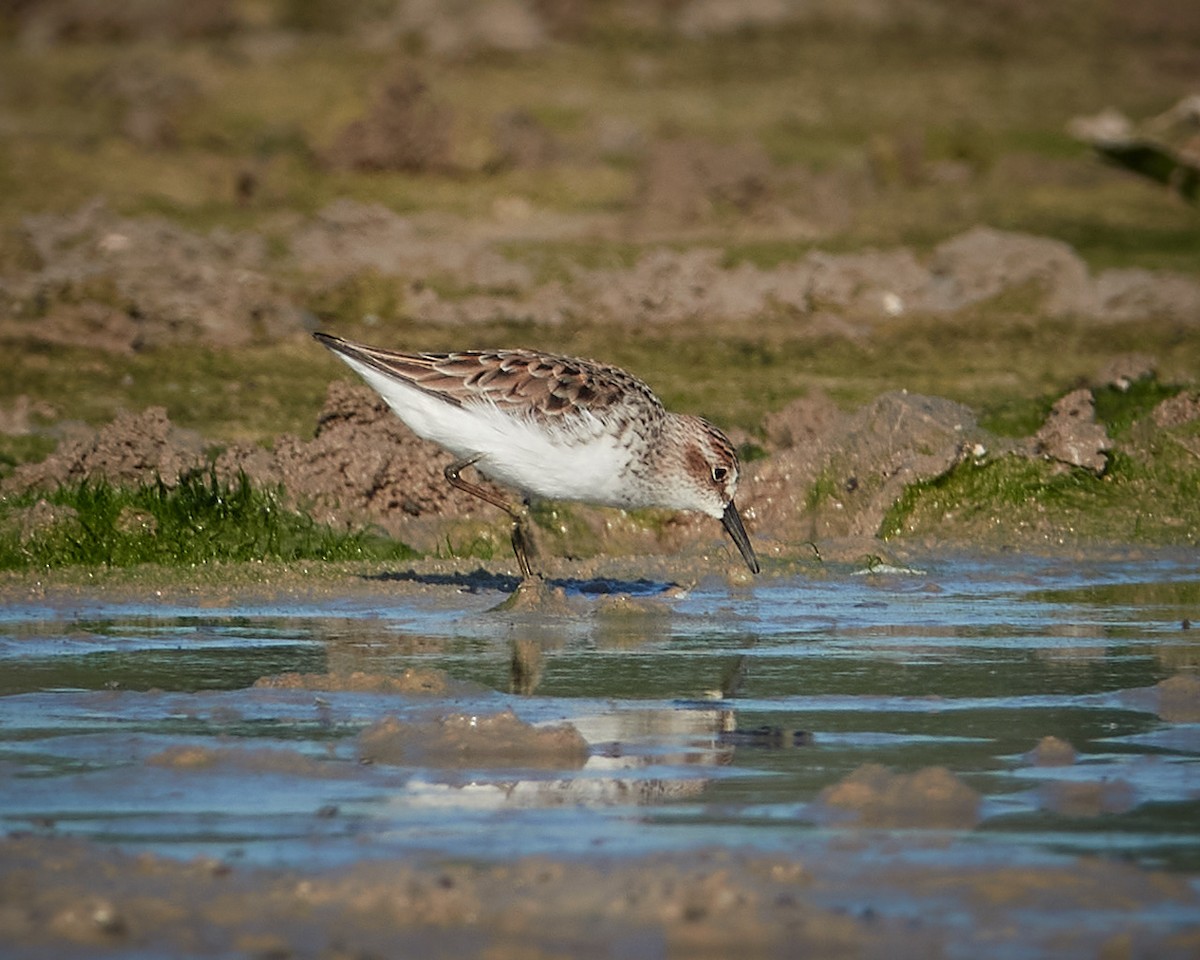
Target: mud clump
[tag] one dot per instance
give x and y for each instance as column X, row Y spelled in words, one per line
column 363, row 463
column 1179, row 698
column 461, row 740
column 133, row 449
column 874, row 796
column 852, row 468
column 463, row 30
column 39, row 519
column 1182, row 408
column 1071, row 436
column 1127, row 369
column 1052, row 752
column 983, row 263
column 802, row 422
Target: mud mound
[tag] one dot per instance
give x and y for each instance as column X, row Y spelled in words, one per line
column 363, row 463
column 983, row 263
column 1052, row 752
column 133, row 449
column 803, row 421
column 667, row 287
column 853, row 468
column 38, row 519
column 874, row 796
column 405, row 128
column 464, row 741
column 114, row 283
column 1179, row 698
column 1180, row 409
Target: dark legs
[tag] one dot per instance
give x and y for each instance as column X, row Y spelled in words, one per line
column 522, row 541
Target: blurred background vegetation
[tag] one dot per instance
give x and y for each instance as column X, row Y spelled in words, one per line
column 567, row 136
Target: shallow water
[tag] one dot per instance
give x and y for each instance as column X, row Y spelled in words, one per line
column 714, row 716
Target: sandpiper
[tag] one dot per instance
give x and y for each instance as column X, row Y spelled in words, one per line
column 555, row 428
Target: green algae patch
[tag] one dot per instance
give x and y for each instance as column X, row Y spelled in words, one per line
column 1153, row 497
column 199, row 520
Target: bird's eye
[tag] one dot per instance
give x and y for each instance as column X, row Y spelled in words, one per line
column 719, row 474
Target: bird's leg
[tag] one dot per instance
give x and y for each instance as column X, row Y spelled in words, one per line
column 522, row 539
column 523, row 545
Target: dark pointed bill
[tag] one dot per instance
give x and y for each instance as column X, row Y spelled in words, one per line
column 732, row 522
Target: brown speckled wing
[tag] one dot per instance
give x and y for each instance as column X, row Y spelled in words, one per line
column 539, row 385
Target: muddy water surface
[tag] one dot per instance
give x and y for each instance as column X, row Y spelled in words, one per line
column 958, row 714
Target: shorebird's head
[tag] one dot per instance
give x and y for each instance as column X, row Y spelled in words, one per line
column 710, row 479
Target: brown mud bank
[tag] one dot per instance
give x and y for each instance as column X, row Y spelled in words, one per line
column 72, row 899
column 819, row 478
column 118, row 285
column 1111, row 455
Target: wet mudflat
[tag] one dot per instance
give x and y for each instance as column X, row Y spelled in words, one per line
column 965, row 756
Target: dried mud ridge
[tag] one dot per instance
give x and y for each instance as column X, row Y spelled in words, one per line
column 829, row 475
column 93, row 278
